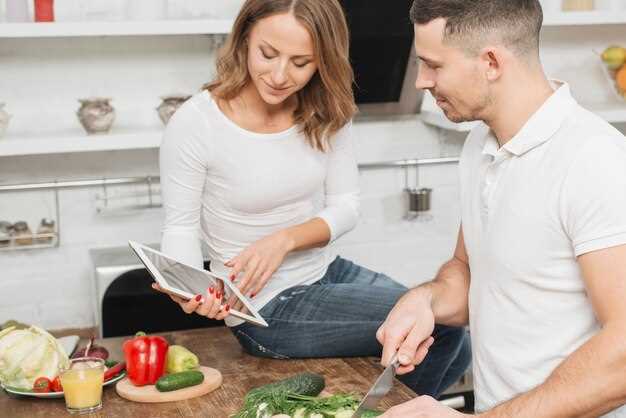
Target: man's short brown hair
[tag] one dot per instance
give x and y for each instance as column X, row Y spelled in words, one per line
column 472, row 23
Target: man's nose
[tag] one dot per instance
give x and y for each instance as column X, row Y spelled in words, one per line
column 425, row 78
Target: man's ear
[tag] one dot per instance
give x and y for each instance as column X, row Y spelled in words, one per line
column 492, row 59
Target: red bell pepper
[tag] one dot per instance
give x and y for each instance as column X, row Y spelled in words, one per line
column 145, row 358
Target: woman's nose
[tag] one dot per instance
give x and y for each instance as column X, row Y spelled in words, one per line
column 279, row 75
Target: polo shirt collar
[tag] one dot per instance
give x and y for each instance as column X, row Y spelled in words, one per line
column 541, row 126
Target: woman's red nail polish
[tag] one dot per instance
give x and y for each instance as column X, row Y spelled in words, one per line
column 211, row 290
column 218, row 294
column 232, row 277
column 227, row 308
column 198, row 298
column 252, row 295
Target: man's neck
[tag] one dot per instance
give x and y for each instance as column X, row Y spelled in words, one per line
column 519, row 102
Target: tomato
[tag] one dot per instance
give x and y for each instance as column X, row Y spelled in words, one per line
column 56, row 385
column 42, row 385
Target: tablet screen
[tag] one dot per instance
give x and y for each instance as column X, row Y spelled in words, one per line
column 180, row 276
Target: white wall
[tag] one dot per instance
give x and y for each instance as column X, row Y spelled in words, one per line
column 41, row 80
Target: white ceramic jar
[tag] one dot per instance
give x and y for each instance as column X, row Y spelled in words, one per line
column 4, row 120
column 169, row 105
column 96, row 115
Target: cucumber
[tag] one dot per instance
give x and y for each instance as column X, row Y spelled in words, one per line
column 308, row 384
column 370, row 414
column 180, row 380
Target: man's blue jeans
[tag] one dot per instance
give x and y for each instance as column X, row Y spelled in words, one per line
column 338, row 316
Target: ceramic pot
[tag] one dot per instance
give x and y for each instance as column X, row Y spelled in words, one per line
column 169, row 105
column 4, row 120
column 96, row 115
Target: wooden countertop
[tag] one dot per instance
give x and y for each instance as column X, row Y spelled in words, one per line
column 217, row 348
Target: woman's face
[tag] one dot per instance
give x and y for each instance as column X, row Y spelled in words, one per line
column 280, row 57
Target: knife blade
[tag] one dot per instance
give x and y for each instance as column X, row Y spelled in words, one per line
column 381, row 387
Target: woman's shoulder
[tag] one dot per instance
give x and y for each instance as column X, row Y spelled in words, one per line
column 193, row 115
column 190, row 127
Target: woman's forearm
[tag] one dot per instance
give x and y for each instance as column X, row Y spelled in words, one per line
column 311, row 234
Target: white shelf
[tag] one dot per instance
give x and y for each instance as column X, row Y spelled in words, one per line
column 611, row 112
column 79, row 143
column 223, row 26
column 597, row 17
column 123, row 28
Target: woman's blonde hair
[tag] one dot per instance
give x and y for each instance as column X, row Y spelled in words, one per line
column 326, row 103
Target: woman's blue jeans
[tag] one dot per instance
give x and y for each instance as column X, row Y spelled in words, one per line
column 338, row 316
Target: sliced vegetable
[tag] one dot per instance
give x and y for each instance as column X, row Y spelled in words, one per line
column 42, row 385
column 56, row 385
column 180, row 359
column 279, row 398
column 145, row 358
column 180, row 380
column 114, row 371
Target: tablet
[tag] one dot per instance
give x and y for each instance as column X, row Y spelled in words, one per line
column 186, row 281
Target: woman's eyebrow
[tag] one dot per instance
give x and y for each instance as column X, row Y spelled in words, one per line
column 277, row 51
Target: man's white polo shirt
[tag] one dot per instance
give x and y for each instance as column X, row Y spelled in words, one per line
column 555, row 191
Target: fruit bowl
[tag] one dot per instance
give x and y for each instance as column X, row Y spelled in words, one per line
column 614, row 70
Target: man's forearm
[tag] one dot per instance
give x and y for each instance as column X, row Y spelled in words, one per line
column 589, row 383
column 448, row 293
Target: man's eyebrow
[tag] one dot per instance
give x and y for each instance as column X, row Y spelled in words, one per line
column 276, row 50
column 428, row 60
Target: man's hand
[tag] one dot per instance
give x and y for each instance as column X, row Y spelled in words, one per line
column 407, row 330
column 422, row 407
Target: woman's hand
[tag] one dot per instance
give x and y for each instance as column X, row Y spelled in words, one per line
column 258, row 262
column 210, row 305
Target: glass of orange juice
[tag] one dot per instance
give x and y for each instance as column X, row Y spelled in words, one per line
column 82, row 385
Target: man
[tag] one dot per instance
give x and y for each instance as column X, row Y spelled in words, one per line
column 539, row 270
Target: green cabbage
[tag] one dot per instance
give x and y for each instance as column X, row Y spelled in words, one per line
column 26, row 354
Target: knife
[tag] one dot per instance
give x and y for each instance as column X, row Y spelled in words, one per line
column 381, row 387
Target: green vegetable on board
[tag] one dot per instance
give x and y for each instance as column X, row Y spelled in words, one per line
column 180, row 359
column 179, row 380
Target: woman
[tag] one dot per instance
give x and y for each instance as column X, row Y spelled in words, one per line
column 260, row 167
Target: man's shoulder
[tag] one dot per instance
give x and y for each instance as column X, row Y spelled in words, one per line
column 583, row 128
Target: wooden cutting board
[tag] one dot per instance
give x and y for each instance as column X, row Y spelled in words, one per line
column 149, row 394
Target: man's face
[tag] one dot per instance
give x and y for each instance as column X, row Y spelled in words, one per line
column 454, row 79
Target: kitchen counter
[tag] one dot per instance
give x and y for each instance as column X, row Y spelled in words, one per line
column 217, row 348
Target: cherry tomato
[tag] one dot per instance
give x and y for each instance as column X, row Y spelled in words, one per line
column 56, row 385
column 42, row 385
